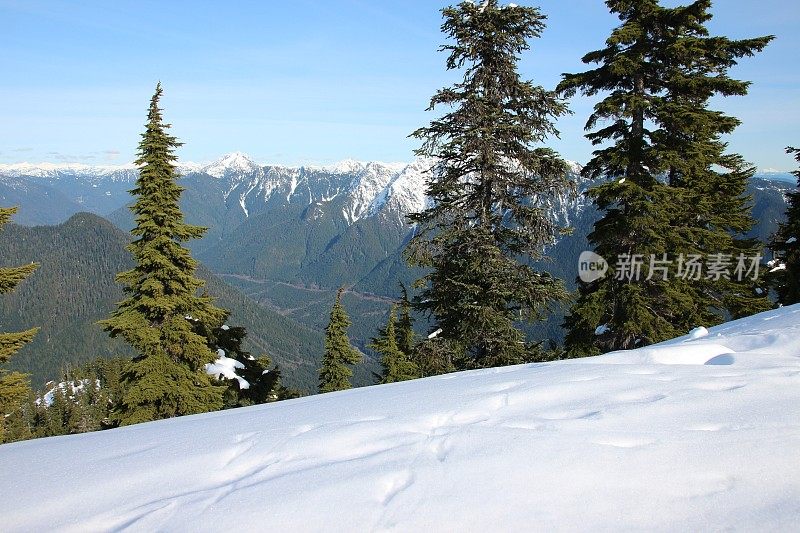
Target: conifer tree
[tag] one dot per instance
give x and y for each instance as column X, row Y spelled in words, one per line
column 167, row 377
column 436, row 356
column 613, row 313
column 710, row 183
column 335, row 374
column 14, row 386
column 659, row 69
column 397, row 365
column 263, row 381
column 786, row 246
column 489, row 188
column 405, row 324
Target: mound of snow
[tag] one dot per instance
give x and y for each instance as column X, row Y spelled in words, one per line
column 659, row 438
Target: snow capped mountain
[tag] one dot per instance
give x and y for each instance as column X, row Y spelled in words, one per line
column 126, row 172
column 361, row 189
column 698, row 433
column 365, row 189
column 58, row 170
column 405, row 192
column 233, row 164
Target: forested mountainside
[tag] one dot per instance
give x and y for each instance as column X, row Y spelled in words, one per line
column 75, row 287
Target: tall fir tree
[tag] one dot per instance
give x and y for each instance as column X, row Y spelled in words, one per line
column 335, row 373
column 405, row 324
column 786, row 246
column 489, row 188
column 659, row 69
column 14, row 386
column 717, row 213
column 167, row 377
column 397, row 364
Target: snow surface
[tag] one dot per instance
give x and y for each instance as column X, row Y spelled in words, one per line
column 688, row 435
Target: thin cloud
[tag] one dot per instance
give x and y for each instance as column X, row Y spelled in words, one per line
column 68, row 158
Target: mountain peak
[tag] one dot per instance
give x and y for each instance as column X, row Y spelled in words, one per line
column 346, row 166
column 237, row 162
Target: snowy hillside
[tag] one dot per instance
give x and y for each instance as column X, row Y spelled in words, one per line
column 699, row 433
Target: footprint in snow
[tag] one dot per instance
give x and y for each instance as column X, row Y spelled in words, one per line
column 305, row 428
column 241, row 437
column 441, row 449
column 502, row 387
column 575, row 414
column 638, row 397
column 719, row 386
column 394, row 484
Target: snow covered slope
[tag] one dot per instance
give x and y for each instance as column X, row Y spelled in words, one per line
column 698, row 433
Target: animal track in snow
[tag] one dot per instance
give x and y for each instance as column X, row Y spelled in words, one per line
column 574, row 414
column 481, row 411
column 638, row 397
column 530, row 425
column 241, row 437
column 581, row 379
column 395, row 483
column 720, row 386
column 441, row 448
column 305, row 428
column 502, row 387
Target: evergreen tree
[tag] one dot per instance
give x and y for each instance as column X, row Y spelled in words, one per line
column 659, row 69
column 14, row 386
column 405, row 324
column 711, row 184
column 613, row 313
column 436, row 356
column 263, row 381
column 397, row 365
column 335, row 374
column 167, row 377
column 786, row 246
column 489, row 188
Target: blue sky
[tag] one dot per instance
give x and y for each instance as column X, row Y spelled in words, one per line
column 305, row 81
